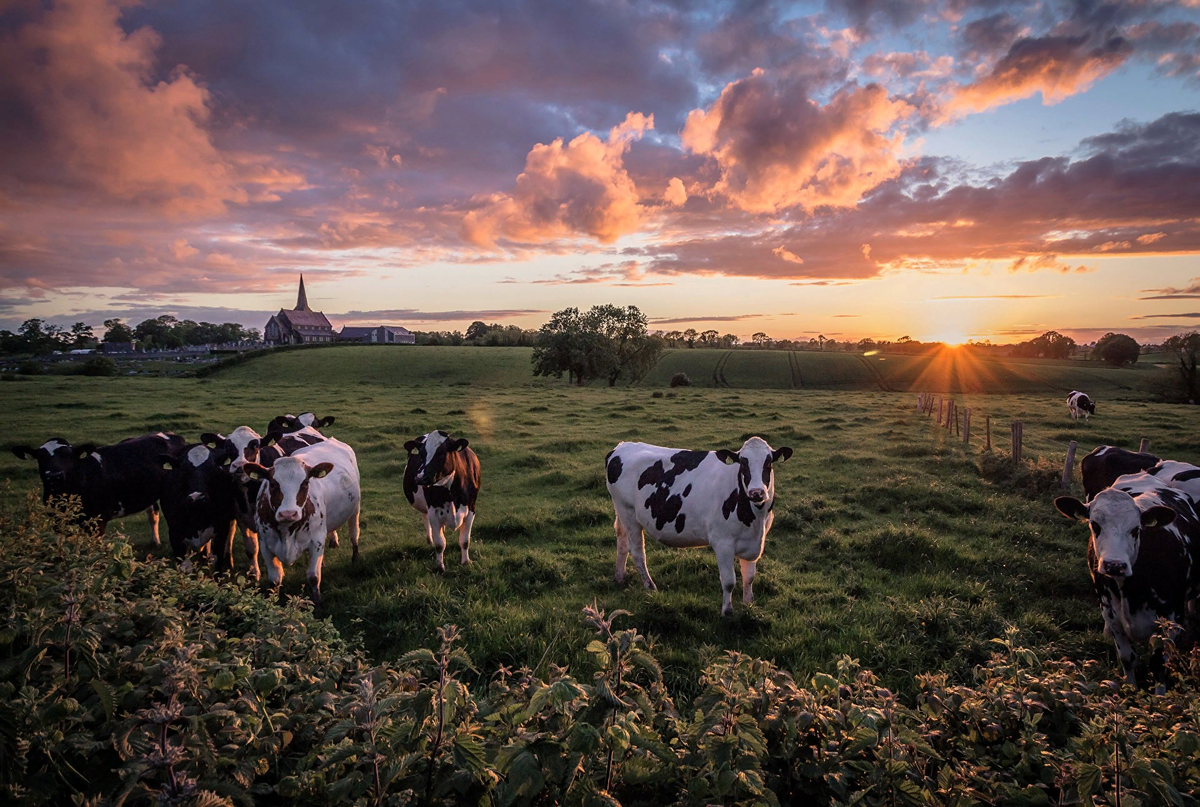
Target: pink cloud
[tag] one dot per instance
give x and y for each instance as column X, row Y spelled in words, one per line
column 776, row 148
column 577, row 188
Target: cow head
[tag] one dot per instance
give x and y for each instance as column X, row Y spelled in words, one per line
column 286, row 424
column 196, row 489
column 1088, row 405
column 57, row 463
column 756, row 458
column 286, row 482
column 432, row 453
column 1116, row 523
column 243, row 443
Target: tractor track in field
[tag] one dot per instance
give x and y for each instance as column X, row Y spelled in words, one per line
column 794, row 364
column 878, row 376
column 718, row 373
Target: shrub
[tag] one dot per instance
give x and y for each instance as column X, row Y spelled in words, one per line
column 99, row 366
column 680, row 380
column 31, row 367
column 130, row 682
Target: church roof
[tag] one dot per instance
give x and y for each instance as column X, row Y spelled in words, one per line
column 304, row 319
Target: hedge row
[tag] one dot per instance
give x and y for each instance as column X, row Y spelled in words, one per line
column 127, row 681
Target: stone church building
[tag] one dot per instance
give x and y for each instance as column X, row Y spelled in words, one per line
column 299, row 326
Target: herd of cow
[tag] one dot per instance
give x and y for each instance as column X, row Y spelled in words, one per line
column 291, row 490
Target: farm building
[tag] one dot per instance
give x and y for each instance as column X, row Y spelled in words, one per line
column 377, row 335
column 299, row 326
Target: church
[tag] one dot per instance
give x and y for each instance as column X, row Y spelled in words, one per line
column 300, row 326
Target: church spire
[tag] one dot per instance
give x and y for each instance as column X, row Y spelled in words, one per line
column 302, row 298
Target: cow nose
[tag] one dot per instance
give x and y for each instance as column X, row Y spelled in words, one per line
column 756, row 494
column 1115, row 568
column 289, row 515
column 196, row 497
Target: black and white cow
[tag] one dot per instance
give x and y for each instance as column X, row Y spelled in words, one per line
column 1080, row 404
column 1104, row 464
column 110, row 481
column 441, row 481
column 1141, row 556
column 721, row 499
column 246, row 446
column 303, row 499
column 1179, row 475
column 293, row 423
column 198, row 499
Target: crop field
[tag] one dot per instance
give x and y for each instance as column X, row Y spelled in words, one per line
column 893, row 542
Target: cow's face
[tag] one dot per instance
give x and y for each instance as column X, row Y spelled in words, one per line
column 195, row 478
column 286, row 424
column 286, row 500
column 56, row 459
column 755, row 460
column 1116, row 524
column 243, row 445
column 1090, row 407
column 432, row 453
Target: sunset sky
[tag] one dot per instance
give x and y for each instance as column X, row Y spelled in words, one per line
column 873, row 168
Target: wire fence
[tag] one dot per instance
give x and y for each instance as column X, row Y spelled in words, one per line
column 957, row 421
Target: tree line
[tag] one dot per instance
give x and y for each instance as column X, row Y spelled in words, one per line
column 36, row 336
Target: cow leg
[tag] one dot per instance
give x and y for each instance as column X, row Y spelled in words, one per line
column 433, row 526
column 728, row 578
column 464, row 536
column 250, row 542
column 352, row 526
column 637, row 548
column 225, row 548
column 1125, row 652
column 332, row 539
column 748, row 569
column 315, row 556
column 622, row 551
column 274, row 569
column 152, row 517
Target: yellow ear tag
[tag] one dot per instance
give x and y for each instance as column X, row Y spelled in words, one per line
column 168, row 467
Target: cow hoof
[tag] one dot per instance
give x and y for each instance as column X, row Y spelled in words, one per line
column 354, row 557
column 727, row 611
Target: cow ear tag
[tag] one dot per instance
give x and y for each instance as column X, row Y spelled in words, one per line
column 226, row 462
column 167, row 466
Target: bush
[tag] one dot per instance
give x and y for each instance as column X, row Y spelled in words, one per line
column 99, row 366
column 129, row 681
column 680, row 380
column 31, row 367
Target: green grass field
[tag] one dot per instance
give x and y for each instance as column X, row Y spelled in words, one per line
column 888, row 545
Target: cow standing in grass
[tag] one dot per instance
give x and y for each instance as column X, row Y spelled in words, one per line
column 110, row 481
column 199, row 502
column 303, row 499
column 1141, row 556
column 721, row 499
column 1104, row 464
column 1080, row 405
column 441, row 481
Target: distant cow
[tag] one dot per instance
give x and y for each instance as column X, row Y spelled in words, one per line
column 111, row 481
column 441, row 480
column 303, row 499
column 246, row 446
column 1104, row 464
column 198, row 500
column 685, row 498
column 1141, row 556
column 1080, row 405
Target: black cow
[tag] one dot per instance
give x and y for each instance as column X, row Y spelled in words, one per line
column 1141, row 556
column 199, row 501
column 110, row 481
column 441, row 480
column 1104, row 464
column 294, row 423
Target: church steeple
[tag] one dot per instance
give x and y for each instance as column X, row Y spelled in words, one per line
column 302, row 298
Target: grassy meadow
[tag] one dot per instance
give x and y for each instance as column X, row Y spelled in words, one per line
column 890, row 544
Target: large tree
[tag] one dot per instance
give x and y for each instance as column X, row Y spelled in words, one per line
column 607, row 341
column 1185, row 348
column 117, row 331
column 1117, row 349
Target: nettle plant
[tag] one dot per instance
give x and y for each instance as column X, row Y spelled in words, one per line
column 129, row 682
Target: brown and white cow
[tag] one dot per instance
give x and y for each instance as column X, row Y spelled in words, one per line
column 721, row 499
column 1141, row 556
column 441, row 480
column 1080, row 404
column 303, row 499
column 110, row 481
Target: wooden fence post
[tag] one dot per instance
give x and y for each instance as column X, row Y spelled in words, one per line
column 987, row 422
column 967, row 426
column 957, row 422
column 1016, row 441
column 1069, row 467
column 1145, row 446
column 940, row 402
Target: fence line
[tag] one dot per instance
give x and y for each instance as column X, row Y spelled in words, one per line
column 958, row 423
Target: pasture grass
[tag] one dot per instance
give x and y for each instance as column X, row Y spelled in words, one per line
column 889, row 544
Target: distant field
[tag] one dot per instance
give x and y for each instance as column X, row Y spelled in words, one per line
column 889, row 545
